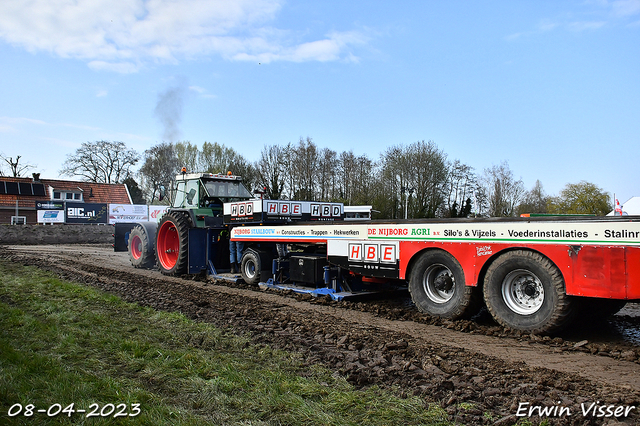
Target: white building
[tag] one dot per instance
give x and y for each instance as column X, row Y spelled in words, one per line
column 629, row 208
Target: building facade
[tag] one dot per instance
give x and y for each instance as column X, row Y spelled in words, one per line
column 20, row 196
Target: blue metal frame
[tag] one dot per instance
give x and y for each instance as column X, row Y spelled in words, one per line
column 199, row 252
column 325, row 291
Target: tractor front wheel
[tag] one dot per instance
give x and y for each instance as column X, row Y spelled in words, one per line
column 141, row 251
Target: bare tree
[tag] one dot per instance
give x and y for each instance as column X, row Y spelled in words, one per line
column 427, row 175
column 302, row 163
column 352, row 176
column 364, row 181
column 534, row 201
column 395, row 181
column 271, row 171
column 503, row 191
column 101, row 161
column 347, row 169
column 461, row 187
column 158, row 170
column 416, row 174
column 239, row 166
column 15, row 168
column 327, row 180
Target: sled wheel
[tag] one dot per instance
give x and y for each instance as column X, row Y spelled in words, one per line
column 141, row 251
column 172, row 243
column 525, row 291
column 250, row 267
column 438, row 287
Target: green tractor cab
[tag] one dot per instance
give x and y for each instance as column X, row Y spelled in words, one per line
column 202, row 195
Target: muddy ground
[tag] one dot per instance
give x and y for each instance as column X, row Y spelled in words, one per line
column 478, row 372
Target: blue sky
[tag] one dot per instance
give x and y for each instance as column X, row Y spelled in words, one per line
column 551, row 87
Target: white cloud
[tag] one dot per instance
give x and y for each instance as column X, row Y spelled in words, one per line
column 119, row 67
column 547, row 25
column 597, row 13
column 586, row 25
column 607, row 13
column 78, row 126
column 9, row 124
column 201, row 91
column 334, row 47
column 625, row 8
column 123, row 36
column 13, row 123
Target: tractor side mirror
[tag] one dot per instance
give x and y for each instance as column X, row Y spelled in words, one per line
column 191, row 195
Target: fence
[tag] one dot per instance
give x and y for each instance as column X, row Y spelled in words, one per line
column 59, row 234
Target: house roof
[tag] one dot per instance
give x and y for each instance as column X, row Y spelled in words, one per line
column 91, row 192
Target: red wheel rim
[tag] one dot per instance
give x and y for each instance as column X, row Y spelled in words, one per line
column 136, row 247
column 168, row 245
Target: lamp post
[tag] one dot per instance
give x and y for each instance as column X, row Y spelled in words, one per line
column 408, row 192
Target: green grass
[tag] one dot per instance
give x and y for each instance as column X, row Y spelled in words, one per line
column 64, row 343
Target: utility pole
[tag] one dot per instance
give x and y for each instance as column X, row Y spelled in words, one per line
column 408, row 192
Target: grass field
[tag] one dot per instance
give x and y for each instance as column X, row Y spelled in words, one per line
column 66, row 347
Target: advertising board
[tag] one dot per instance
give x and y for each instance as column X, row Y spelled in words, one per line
column 156, row 212
column 273, row 211
column 88, row 213
column 50, row 211
column 128, row 213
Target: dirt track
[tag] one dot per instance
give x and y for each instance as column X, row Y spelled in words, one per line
column 479, row 372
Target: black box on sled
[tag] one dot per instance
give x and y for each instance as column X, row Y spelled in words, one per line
column 307, row 269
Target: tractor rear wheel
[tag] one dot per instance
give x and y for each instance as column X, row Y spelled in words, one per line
column 172, row 243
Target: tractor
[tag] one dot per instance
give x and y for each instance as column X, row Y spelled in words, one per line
column 191, row 236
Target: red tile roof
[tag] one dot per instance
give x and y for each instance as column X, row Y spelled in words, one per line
column 91, row 192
